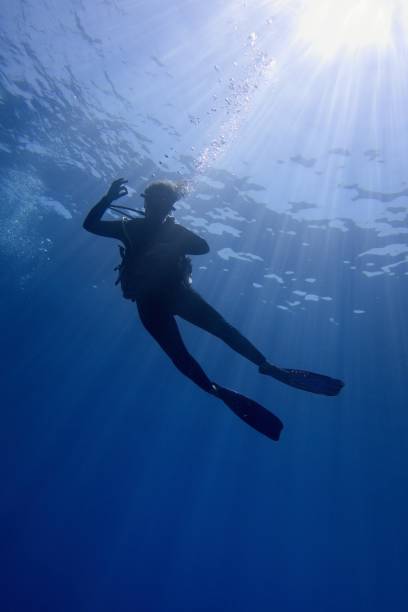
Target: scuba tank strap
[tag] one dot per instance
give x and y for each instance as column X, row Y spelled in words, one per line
column 123, row 251
column 119, row 268
column 128, row 241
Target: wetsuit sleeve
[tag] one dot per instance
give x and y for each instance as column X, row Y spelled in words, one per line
column 190, row 243
column 93, row 222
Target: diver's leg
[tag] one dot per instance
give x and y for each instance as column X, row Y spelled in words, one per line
column 162, row 325
column 193, row 308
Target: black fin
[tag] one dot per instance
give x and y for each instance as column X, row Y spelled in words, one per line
column 304, row 380
column 251, row 412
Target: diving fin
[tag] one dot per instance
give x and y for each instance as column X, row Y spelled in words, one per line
column 251, row 412
column 302, row 379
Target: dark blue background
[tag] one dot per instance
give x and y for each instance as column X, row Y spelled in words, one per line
column 124, row 487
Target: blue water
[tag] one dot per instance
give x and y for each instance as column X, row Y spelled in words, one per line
column 124, row 487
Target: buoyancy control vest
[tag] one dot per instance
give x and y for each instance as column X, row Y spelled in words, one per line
column 154, row 270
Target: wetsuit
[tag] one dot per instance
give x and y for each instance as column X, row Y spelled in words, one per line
column 171, row 295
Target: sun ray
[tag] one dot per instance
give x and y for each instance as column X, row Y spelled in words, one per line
column 329, row 27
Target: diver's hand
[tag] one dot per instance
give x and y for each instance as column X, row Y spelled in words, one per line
column 117, row 190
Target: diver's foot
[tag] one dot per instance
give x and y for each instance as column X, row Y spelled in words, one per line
column 250, row 411
column 304, row 380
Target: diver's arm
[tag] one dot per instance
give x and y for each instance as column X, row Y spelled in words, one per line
column 93, row 222
column 191, row 243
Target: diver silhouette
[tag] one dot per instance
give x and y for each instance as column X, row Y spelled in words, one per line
column 155, row 273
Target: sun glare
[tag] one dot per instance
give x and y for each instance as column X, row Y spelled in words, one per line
column 330, row 27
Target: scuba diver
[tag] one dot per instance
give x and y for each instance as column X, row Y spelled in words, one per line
column 155, row 273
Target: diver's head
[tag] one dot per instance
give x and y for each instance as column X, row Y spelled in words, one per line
column 159, row 198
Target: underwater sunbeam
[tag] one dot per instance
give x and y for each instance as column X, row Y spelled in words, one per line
column 331, row 27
